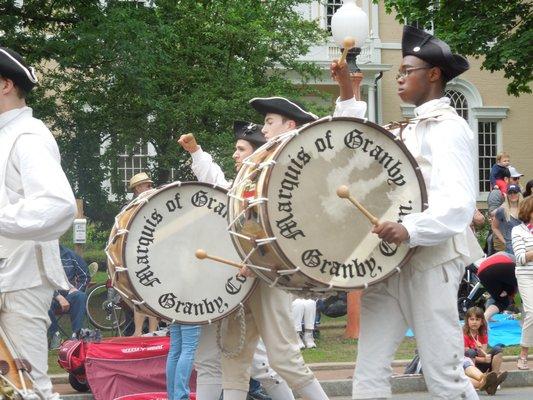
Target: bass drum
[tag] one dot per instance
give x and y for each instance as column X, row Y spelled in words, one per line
column 285, row 214
column 151, row 255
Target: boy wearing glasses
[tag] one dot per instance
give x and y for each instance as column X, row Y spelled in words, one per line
column 423, row 296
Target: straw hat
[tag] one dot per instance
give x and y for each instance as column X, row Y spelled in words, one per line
column 139, row 178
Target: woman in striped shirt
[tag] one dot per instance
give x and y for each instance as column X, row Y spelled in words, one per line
column 522, row 236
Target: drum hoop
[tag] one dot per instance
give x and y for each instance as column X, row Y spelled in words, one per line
column 126, row 235
column 268, row 173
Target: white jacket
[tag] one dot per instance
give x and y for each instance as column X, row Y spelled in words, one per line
column 36, row 203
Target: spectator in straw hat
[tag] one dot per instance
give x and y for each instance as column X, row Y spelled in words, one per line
column 138, row 184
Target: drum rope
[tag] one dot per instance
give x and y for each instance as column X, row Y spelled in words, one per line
column 266, row 240
column 236, row 218
column 288, row 271
column 239, row 235
column 240, row 314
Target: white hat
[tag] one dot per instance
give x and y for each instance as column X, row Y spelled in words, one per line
column 514, row 173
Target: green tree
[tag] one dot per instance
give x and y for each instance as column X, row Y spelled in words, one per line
column 119, row 73
column 499, row 31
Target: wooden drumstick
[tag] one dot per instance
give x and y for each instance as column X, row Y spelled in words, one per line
column 348, row 43
column 202, row 254
column 344, row 193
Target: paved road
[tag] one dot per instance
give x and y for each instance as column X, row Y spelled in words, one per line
column 504, row 394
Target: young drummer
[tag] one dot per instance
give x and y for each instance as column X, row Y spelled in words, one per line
column 248, row 138
column 424, row 295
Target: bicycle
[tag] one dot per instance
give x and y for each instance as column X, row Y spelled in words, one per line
column 105, row 308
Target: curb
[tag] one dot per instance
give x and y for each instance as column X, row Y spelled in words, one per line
column 333, row 366
column 400, row 384
column 416, row 383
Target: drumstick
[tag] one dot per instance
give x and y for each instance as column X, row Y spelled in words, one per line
column 344, row 193
column 348, row 43
column 201, row 254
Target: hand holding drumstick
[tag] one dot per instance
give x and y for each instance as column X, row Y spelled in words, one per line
column 391, row 232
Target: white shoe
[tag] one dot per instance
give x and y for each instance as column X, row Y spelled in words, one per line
column 309, row 340
column 55, row 342
column 301, row 344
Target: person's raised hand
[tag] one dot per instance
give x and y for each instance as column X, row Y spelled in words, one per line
column 188, row 142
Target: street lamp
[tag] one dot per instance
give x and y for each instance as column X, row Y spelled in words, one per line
column 350, row 21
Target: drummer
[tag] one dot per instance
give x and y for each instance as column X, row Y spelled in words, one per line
column 426, row 289
column 248, row 138
column 36, row 207
column 269, row 309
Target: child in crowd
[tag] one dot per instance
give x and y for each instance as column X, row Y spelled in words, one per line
column 476, row 341
column 503, row 160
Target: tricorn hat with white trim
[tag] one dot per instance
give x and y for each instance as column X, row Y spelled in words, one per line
column 419, row 43
column 250, row 132
column 284, row 107
column 13, row 66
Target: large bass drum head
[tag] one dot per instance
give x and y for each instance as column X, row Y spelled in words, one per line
column 325, row 236
column 159, row 255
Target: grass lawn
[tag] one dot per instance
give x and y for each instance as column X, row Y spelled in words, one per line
column 331, row 347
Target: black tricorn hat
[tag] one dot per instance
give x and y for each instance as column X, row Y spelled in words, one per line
column 284, row 107
column 13, row 66
column 418, row 43
column 250, row 132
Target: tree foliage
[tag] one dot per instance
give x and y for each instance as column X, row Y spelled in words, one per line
column 499, row 31
column 117, row 73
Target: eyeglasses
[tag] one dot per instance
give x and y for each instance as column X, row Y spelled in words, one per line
column 405, row 73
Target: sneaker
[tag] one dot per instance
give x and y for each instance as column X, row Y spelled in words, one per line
column 309, row 341
column 491, row 383
column 258, row 395
column 521, row 363
column 55, row 342
column 301, row 344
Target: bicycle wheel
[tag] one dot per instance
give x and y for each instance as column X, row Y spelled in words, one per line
column 104, row 308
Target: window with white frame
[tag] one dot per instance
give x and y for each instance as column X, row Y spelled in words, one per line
column 487, row 132
column 459, row 102
column 132, row 163
column 487, row 149
column 331, row 7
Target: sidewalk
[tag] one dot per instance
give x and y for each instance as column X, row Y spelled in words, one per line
column 336, row 379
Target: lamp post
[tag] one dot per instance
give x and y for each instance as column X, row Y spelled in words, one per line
column 350, row 21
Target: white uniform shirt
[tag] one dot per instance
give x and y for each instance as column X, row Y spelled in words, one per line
column 206, row 170
column 445, row 151
column 40, row 206
column 350, row 108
